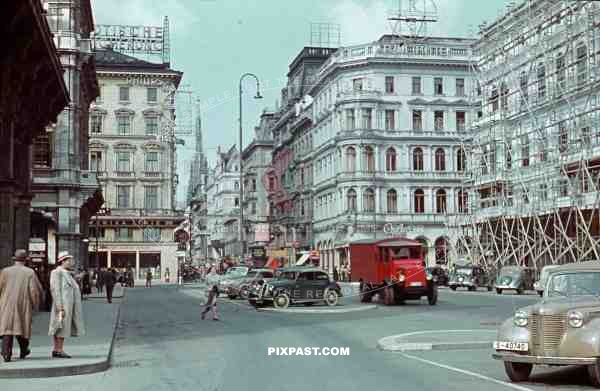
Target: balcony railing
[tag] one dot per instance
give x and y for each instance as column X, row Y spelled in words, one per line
column 152, row 174
column 124, row 173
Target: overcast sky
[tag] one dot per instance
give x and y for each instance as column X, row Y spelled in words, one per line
column 215, row 41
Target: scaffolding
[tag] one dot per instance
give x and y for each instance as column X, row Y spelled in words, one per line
column 533, row 153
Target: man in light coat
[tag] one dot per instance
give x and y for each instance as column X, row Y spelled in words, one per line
column 66, row 317
column 20, row 294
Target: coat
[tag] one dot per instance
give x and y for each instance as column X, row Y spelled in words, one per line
column 109, row 278
column 20, row 294
column 65, row 294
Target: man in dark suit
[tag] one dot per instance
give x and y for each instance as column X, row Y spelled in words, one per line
column 110, row 279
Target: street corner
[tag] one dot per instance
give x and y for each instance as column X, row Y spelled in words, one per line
column 438, row 340
column 340, row 309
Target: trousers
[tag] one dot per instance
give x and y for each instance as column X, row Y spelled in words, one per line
column 7, row 344
column 209, row 308
column 109, row 292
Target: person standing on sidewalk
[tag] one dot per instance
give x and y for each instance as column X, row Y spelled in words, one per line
column 110, row 280
column 211, row 303
column 66, row 317
column 20, row 294
column 100, row 280
column 148, row 279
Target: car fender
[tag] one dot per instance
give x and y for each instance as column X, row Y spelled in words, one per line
column 583, row 341
column 510, row 333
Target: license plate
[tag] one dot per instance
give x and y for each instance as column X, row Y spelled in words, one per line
column 416, row 283
column 514, row 346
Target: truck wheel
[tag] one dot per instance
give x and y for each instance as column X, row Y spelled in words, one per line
column 594, row 374
column 541, row 293
column 366, row 294
column 281, row 301
column 331, row 297
column 388, row 295
column 517, row 371
column 499, row 291
column 453, row 287
column 433, row 296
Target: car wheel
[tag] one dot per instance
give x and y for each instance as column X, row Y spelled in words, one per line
column 244, row 292
column 281, row 301
column 472, row 288
column 518, row 371
column 231, row 297
column 499, row 291
column 331, row 297
column 453, row 287
column 520, row 290
column 433, row 296
column 594, row 374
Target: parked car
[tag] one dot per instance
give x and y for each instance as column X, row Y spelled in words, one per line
column 470, row 277
column 241, row 287
column 440, row 275
column 562, row 329
column 515, row 278
column 231, row 277
column 297, row 285
column 541, row 283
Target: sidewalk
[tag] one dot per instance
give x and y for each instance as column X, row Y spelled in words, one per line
column 439, row 340
column 90, row 353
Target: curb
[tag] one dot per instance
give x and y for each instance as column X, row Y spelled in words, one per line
column 68, row 370
column 423, row 346
column 317, row 311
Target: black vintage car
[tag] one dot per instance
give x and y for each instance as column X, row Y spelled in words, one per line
column 440, row 275
column 297, row 285
column 470, row 277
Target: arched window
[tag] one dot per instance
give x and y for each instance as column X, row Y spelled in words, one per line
column 419, row 201
column 390, row 160
column 351, row 159
column 369, row 200
column 369, row 160
column 440, row 160
column 463, row 201
column 440, row 201
column 461, row 160
column 351, row 200
column 392, row 201
column 418, row 159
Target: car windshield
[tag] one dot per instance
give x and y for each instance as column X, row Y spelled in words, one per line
column 252, row 274
column 510, row 271
column 465, row 271
column 574, row 284
column 237, row 270
column 286, row 276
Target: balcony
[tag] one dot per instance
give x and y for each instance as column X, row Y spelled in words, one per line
column 124, row 174
column 406, row 174
column 358, row 94
column 152, row 174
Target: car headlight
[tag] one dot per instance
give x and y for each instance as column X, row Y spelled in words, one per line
column 401, row 277
column 575, row 319
column 429, row 276
column 521, row 318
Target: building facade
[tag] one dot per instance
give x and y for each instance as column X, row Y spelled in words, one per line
column 199, row 173
column 66, row 192
column 132, row 148
column 32, row 95
column 535, row 166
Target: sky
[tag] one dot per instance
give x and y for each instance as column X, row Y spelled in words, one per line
column 214, row 42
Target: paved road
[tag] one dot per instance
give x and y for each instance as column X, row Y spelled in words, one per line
column 163, row 345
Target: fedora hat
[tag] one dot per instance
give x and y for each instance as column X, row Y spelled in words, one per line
column 21, row 255
column 63, row 256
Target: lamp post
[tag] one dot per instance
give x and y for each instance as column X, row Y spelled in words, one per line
column 241, row 187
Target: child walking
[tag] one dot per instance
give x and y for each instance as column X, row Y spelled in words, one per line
column 211, row 304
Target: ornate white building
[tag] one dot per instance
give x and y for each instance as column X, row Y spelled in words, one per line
column 132, row 148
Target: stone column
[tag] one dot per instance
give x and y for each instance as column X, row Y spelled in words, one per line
column 108, row 259
column 22, row 221
column 137, row 265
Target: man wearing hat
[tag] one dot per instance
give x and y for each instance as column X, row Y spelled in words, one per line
column 20, row 293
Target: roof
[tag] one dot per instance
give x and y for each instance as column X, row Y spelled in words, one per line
column 394, row 242
column 579, row 266
column 110, row 57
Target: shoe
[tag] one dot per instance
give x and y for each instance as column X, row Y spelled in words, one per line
column 216, row 319
column 60, row 355
column 24, row 354
column 6, row 358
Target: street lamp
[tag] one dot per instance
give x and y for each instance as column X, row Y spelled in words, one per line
column 241, row 187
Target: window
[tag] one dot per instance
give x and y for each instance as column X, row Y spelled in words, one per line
column 438, row 117
column 236, row 185
column 124, row 233
column 93, row 232
column 561, row 75
column 460, row 121
column 460, row 87
column 123, row 196
column 271, row 184
column 151, row 197
column 123, row 162
column 369, row 156
column 440, row 201
column 96, row 123
column 417, row 120
column 541, row 81
column 351, row 198
column 581, row 64
column 392, row 201
column 236, row 202
column 494, row 99
column 357, row 84
column 416, row 85
column 351, row 159
column 366, row 118
column 543, row 192
column 390, row 122
column 564, row 187
column 369, row 200
column 124, row 94
column 586, row 136
column 463, row 201
column 42, row 150
column 152, row 94
column 390, row 160
column 253, row 208
column 504, row 96
column 151, row 234
column 151, row 162
column 419, row 201
column 418, row 159
column 389, row 84
column 524, row 85
column 508, row 156
column 438, row 83
column 96, row 161
column 525, row 151
column 124, row 124
column 254, row 182
column 440, row 160
column 152, row 126
column 350, row 123
column 563, row 137
column 461, row 160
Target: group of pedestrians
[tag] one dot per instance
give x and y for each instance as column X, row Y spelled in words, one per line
column 21, row 293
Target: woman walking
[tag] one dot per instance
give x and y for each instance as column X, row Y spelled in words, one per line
column 211, row 304
column 66, row 317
